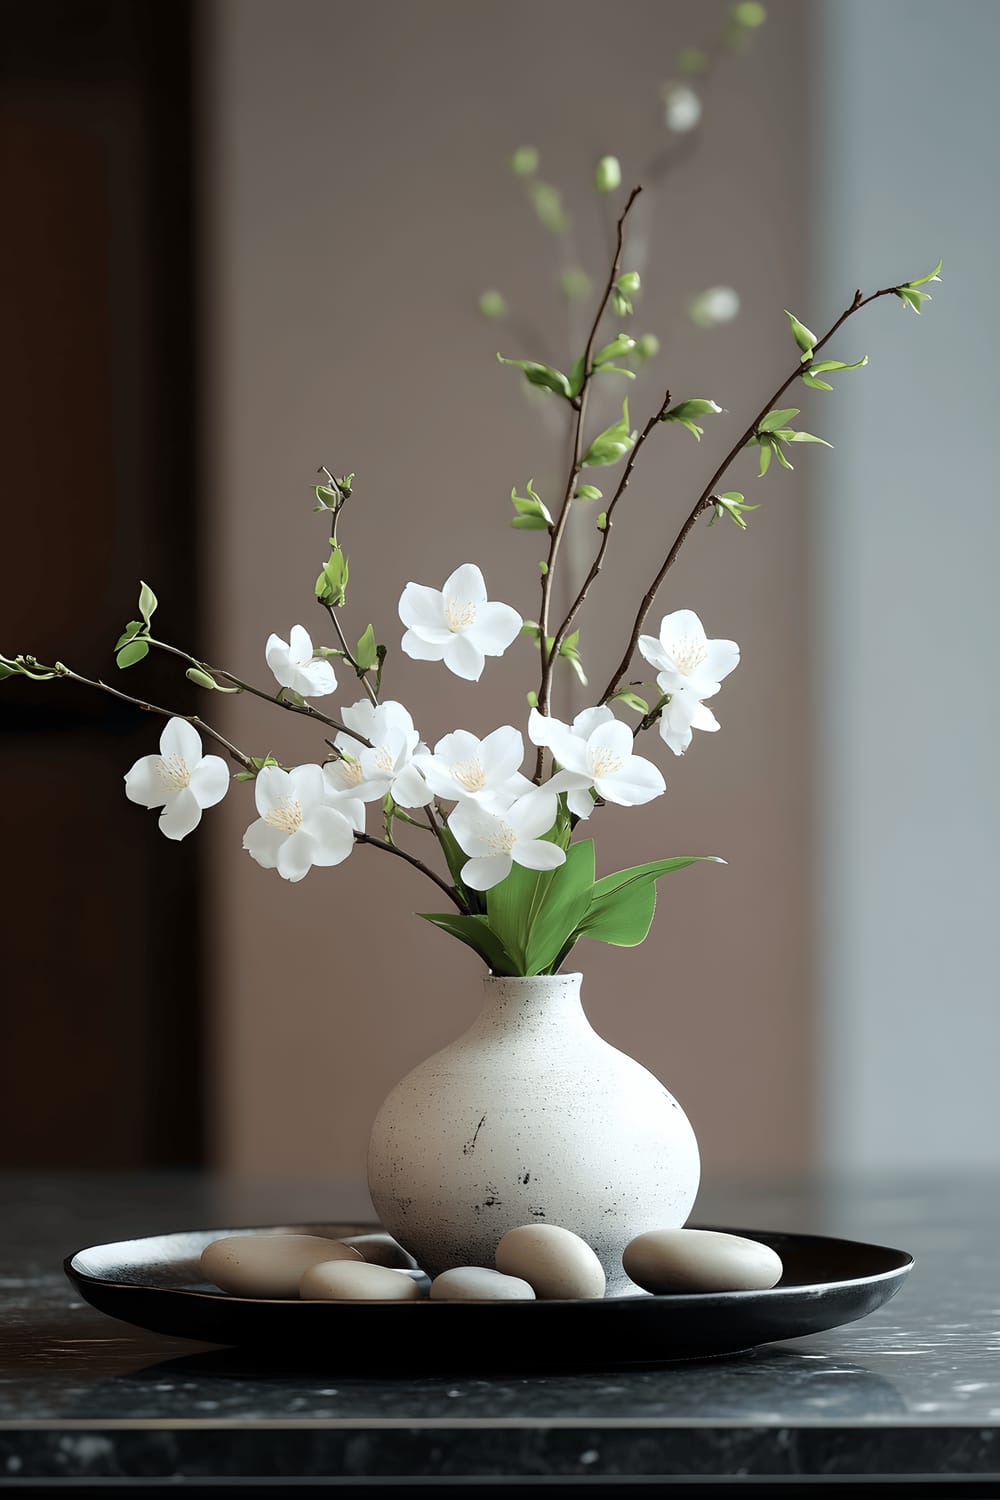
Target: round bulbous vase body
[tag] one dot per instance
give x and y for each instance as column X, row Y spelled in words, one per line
column 530, row 1117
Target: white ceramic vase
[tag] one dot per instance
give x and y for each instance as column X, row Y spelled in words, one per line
column 530, row 1116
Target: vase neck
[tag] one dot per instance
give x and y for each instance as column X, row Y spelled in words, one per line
column 542, row 1006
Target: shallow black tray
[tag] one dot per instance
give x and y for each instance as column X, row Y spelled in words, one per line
column 156, row 1283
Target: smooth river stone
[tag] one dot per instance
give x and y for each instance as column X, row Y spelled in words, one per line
column 268, row 1265
column 357, row 1281
column 555, row 1262
column 479, row 1284
column 700, row 1260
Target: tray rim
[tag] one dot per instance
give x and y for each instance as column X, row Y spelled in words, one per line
column 689, row 1299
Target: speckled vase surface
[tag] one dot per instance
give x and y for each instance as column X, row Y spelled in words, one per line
column 530, row 1116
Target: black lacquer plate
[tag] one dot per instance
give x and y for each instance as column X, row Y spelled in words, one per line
column 156, row 1283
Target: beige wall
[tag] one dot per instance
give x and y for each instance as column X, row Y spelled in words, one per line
column 356, row 205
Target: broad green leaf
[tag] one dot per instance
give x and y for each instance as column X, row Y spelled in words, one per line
column 366, row 651
column 576, row 377
column 476, row 933
column 587, row 492
column 611, row 445
column 532, row 514
column 624, row 343
column 696, row 406
column 765, row 457
column 804, row 337
column 814, row 384
column 147, row 602
column 132, row 653
column 562, row 906
column 776, row 419
column 543, row 376
column 331, row 585
column 622, row 904
column 632, row 700
column 129, row 633
column 529, row 523
column 455, row 858
column 614, row 370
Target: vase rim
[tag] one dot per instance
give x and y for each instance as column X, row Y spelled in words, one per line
column 530, row 978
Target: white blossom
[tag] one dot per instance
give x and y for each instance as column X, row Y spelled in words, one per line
column 680, row 716
column 293, row 665
column 180, row 779
column 686, row 659
column 496, row 841
column 487, row 771
column 681, row 107
column 718, row 304
column 388, row 767
column 300, row 825
column 596, row 752
column 457, row 624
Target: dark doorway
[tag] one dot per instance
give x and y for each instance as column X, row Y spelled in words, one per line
column 100, row 1050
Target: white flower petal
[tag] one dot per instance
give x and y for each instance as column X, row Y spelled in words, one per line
column 422, row 608
column 419, row 649
column 332, row 834
column 540, row 727
column 465, row 586
column 703, row 718
column 182, row 740
column 534, row 814
column 145, row 785
column 361, row 718
column 410, row 789
column 210, row 780
column 495, row 627
column 501, row 754
column 580, row 802
column 536, row 855
column 723, row 657
column 483, row 873
column 650, row 648
column 352, row 808
column 307, row 786
column 679, row 628
column 295, row 857
column 463, row 658
column 638, row 782
column 271, row 789
column 589, row 719
column 316, row 680
column 612, row 739
column 181, row 815
column 262, row 843
column 300, row 646
column 472, row 828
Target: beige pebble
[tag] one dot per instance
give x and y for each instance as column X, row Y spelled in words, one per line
column 268, row 1265
column 357, row 1281
column 479, row 1284
column 380, row 1249
column 555, row 1262
column 700, row 1260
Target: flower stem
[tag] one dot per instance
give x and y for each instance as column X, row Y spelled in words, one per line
column 580, row 405
column 418, row 864
column 166, row 713
column 704, row 500
column 247, row 687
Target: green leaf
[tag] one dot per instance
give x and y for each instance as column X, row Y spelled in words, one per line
column 543, row 376
column 825, row 365
column 201, row 679
column 576, row 284
column 492, row 305
column 776, row 419
column 788, row 435
column 749, row 13
column 765, row 456
column 576, row 377
column 131, row 630
column 624, row 343
column 532, row 514
column 331, row 585
column 534, row 912
column 781, row 455
column 455, row 858
column 622, row 905
column 814, row 384
column 147, row 602
column 476, row 933
column 629, row 283
column 910, row 297
column 611, row 445
column 685, row 412
column 132, row 653
column 602, row 521
column 549, row 207
column 804, row 336
column 923, row 280
column 587, row 492
column 733, row 505
column 632, row 700
column 647, row 347
column 608, row 174
column 524, row 161
column 366, row 651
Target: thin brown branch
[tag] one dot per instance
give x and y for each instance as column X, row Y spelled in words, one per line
column 580, row 404
column 704, row 500
column 164, row 713
column 418, row 864
column 598, row 563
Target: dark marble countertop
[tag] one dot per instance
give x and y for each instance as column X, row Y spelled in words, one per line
column 913, row 1390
